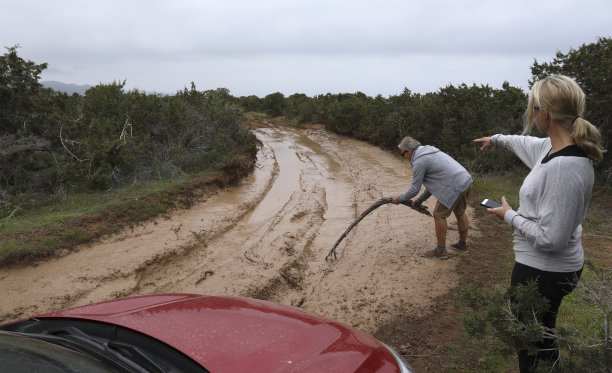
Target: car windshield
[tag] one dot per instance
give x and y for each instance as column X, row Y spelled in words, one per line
column 22, row 354
column 121, row 349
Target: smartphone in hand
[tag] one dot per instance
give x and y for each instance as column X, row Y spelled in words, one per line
column 489, row 203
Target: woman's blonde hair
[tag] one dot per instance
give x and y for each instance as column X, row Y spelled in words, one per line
column 565, row 101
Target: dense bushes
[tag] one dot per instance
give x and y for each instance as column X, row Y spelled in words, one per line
column 51, row 142
column 449, row 119
column 454, row 115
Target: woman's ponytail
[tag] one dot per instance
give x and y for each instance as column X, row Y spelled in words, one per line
column 588, row 138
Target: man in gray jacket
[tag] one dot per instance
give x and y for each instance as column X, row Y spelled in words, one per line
column 447, row 180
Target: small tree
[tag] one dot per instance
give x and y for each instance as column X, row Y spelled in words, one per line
column 18, row 90
column 585, row 340
column 590, row 342
column 274, row 104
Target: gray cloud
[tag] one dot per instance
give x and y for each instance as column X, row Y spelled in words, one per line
column 264, row 46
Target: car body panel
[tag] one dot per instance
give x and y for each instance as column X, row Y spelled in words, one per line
column 235, row 334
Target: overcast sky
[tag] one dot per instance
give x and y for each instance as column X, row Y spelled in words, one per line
column 258, row 47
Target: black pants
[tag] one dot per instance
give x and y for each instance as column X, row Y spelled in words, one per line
column 553, row 286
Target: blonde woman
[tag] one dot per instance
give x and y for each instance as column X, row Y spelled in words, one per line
column 553, row 198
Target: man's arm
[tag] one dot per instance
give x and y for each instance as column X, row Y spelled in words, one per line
column 423, row 197
column 418, row 174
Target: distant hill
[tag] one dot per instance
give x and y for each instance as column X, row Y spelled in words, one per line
column 66, row 87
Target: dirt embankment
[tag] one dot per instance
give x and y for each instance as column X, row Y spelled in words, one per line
column 268, row 238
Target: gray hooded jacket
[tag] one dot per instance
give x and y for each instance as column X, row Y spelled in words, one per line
column 442, row 176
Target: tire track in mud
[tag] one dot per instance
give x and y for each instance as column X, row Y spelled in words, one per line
column 148, row 275
column 73, row 280
column 268, row 239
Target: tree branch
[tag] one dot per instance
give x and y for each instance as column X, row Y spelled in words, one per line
column 65, row 147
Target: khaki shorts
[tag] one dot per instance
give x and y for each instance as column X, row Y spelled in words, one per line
column 458, row 208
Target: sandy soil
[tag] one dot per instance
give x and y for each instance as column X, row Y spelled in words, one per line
column 268, row 238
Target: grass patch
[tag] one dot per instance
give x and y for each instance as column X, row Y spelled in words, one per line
column 61, row 209
column 597, row 220
column 573, row 310
column 39, row 229
column 286, row 122
column 256, row 115
column 584, row 319
column 494, row 186
column 486, row 269
column 280, row 121
column 79, row 235
column 18, row 250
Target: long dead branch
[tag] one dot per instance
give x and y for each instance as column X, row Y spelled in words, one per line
column 65, row 147
column 124, row 135
column 420, row 208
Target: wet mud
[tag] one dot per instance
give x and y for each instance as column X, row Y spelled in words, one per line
column 268, row 238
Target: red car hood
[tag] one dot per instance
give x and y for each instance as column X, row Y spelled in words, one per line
column 232, row 334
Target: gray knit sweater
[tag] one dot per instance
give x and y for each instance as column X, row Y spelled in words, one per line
column 553, row 202
column 442, row 176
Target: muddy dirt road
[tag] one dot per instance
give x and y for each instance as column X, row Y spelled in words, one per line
column 267, row 238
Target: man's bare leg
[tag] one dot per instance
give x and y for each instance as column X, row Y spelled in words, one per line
column 440, row 224
column 463, row 226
